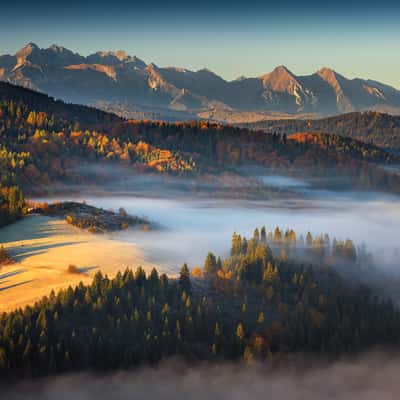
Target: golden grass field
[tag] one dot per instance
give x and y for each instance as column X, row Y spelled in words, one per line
column 44, row 247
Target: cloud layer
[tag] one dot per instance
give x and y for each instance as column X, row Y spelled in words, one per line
column 371, row 377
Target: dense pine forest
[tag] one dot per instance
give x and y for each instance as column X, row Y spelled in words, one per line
column 254, row 305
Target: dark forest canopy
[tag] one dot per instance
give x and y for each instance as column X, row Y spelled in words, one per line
column 371, row 127
column 251, row 306
column 87, row 117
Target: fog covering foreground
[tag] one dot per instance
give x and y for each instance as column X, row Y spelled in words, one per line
column 370, row 377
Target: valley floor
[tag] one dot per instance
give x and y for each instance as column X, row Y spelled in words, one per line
column 44, row 247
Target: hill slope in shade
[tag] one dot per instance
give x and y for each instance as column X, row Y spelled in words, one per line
column 126, row 84
column 380, row 129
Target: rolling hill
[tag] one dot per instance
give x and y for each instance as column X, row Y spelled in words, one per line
column 372, row 127
column 44, row 141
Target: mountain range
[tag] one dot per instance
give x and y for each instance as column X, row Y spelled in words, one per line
column 127, row 85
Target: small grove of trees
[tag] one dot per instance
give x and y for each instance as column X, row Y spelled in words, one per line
column 277, row 245
column 73, row 269
column 4, row 256
column 12, row 204
column 260, row 257
column 95, row 220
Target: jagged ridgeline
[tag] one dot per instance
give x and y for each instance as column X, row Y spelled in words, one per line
column 254, row 305
column 127, row 84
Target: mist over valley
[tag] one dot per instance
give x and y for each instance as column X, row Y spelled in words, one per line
column 190, row 227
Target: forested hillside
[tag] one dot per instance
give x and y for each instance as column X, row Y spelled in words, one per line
column 371, row 127
column 67, row 114
column 320, row 156
column 44, row 141
column 254, row 305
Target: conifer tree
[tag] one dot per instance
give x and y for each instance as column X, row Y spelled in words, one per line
column 184, row 279
column 263, row 234
column 210, row 264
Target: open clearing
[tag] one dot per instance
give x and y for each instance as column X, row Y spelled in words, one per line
column 44, row 247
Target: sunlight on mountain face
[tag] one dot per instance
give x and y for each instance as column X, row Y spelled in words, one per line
column 127, row 85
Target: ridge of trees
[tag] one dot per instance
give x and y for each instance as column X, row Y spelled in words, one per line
column 85, row 116
column 371, row 127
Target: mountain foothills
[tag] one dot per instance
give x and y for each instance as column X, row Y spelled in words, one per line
column 127, row 85
column 43, row 140
column 45, row 144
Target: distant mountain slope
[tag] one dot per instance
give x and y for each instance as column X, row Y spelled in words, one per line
column 124, row 84
column 380, row 129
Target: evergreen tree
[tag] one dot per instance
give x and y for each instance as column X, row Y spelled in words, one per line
column 263, row 234
column 3, row 254
column 210, row 264
column 184, row 279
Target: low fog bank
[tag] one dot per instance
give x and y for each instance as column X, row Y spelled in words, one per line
column 192, row 227
column 125, row 179
column 251, row 178
column 371, row 377
column 263, row 183
column 195, row 219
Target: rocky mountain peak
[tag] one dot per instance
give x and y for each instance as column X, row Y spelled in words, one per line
column 116, row 76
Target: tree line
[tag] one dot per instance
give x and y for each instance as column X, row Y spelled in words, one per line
column 381, row 129
column 12, row 204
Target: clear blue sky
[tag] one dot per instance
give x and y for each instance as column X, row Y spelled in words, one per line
column 356, row 38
